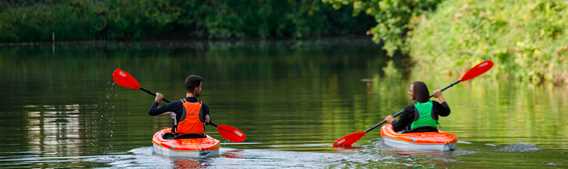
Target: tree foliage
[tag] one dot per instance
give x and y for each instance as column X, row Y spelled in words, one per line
column 527, row 39
column 395, row 18
column 37, row 20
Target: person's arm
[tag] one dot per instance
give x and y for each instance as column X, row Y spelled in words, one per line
column 405, row 119
column 204, row 114
column 438, row 97
column 440, row 106
column 156, row 109
column 442, row 109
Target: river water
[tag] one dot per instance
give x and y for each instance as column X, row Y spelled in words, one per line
column 59, row 107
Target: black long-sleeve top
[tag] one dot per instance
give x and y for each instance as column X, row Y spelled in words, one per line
column 177, row 108
column 409, row 114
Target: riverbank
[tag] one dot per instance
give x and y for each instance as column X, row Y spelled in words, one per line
column 337, row 42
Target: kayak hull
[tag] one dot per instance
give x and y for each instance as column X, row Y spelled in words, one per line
column 193, row 147
column 421, row 141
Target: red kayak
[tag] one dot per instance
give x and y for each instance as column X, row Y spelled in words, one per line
column 191, row 147
column 426, row 141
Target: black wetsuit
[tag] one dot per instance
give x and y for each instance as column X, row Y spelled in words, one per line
column 177, row 108
column 409, row 114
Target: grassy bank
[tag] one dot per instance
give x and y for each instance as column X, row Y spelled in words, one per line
column 527, row 39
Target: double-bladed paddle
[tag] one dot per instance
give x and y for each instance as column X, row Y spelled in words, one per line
column 348, row 140
column 127, row 81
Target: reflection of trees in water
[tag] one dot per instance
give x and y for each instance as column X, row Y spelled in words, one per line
column 403, row 63
column 53, row 130
column 288, row 95
column 304, row 74
column 224, row 60
column 278, row 79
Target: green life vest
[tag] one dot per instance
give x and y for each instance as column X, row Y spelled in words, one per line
column 424, row 116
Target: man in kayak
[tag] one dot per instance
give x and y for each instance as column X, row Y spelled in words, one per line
column 422, row 115
column 190, row 114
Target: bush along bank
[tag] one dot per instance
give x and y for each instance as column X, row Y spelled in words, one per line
column 527, row 39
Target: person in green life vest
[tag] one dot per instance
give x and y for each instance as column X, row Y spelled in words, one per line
column 422, row 115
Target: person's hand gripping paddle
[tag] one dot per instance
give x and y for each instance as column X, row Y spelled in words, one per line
column 348, row 140
column 127, row 81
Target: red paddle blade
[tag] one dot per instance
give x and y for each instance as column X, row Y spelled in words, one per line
column 231, row 133
column 477, row 70
column 124, row 79
column 348, row 140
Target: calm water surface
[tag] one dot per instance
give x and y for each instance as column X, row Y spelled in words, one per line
column 59, row 108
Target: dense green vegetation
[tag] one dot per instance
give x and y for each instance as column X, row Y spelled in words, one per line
column 527, row 39
column 38, row 20
column 395, row 19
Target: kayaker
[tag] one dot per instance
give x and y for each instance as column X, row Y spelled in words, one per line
column 422, row 115
column 190, row 114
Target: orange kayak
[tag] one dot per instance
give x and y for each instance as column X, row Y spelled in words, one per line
column 191, row 147
column 426, row 141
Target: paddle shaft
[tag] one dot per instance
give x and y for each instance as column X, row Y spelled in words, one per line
column 153, row 94
column 451, row 85
column 398, row 113
column 381, row 123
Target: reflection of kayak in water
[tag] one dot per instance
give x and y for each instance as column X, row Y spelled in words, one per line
column 427, row 141
column 187, row 163
column 190, row 147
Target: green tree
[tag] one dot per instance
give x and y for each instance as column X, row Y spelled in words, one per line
column 396, row 19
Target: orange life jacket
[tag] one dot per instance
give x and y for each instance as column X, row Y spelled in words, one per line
column 190, row 123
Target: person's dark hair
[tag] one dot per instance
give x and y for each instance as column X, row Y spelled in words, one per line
column 192, row 81
column 421, row 93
